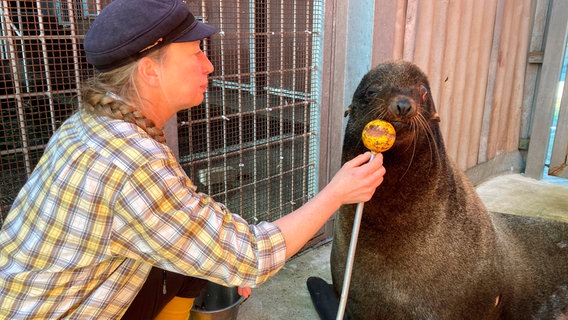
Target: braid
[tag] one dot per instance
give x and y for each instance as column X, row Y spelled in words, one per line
column 99, row 99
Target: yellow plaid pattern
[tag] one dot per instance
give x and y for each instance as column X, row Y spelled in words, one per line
column 104, row 204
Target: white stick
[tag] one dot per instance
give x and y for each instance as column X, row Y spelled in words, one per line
column 351, row 257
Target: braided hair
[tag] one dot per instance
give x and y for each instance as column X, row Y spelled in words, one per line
column 108, row 94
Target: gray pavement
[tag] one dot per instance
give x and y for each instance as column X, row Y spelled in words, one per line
column 285, row 296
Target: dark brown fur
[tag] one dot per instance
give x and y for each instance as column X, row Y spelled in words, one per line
column 427, row 247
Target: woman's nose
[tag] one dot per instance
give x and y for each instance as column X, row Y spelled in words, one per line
column 207, row 65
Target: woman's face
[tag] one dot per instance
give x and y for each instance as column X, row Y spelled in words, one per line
column 184, row 74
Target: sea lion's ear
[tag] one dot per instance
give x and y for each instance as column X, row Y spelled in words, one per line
column 435, row 117
column 347, row 112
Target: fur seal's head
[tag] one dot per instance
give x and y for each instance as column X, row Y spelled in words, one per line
column 397, row 92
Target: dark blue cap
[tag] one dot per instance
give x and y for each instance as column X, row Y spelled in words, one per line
column 125, row 30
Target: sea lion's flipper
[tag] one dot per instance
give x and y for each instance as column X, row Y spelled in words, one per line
column 324, row 298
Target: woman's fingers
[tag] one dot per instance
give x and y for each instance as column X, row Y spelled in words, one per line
column 357, row 180
column 245, row 292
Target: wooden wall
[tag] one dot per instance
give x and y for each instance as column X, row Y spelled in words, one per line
column 475, row 54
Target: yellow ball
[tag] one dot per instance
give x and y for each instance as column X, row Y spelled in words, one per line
column 378, row 136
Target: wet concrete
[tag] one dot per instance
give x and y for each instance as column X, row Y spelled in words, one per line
column 286, row 297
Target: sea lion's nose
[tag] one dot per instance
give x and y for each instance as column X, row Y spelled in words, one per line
column 403, row 106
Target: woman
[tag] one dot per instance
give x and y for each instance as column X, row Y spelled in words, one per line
column 109, row 224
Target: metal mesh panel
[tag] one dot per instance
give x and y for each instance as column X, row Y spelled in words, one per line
column 41, row 70
column 251, row 144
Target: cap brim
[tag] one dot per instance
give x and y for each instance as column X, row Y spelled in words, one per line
column 200, row 31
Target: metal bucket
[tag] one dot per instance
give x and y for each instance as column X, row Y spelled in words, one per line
column 216, row 302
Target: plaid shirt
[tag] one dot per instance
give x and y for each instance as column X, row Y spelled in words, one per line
column 104, row 204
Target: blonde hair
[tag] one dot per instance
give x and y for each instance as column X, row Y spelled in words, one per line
column 112, row 94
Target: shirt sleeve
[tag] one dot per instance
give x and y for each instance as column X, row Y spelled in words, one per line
column 161, row 218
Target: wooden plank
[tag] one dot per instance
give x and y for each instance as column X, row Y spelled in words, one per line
column 424, row 36
column 445, row 107
column 410, row 30
column 536, row 57
column 488, row 12
column 520, row 67
column 553, row 55
column 462, row 93
column 383, row 31
column 515, row 76
column 541, row 8
column 399, row 26
column 486, row 124
column 495, row 140
column 436, row 51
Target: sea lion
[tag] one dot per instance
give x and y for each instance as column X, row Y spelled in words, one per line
column 428, row 248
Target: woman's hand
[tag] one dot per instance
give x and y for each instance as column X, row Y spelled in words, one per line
column 245, row 292
column 357, row 180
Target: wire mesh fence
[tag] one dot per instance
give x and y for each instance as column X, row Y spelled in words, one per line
column 251, row 144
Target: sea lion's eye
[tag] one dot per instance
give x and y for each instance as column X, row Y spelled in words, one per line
column 371, row 93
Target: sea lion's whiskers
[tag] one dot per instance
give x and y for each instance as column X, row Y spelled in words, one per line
column 413, row 128
column 427, row 130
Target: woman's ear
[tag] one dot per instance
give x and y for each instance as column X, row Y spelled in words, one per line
column 149, row 71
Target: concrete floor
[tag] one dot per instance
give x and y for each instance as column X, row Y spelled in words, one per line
column 286, row 297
